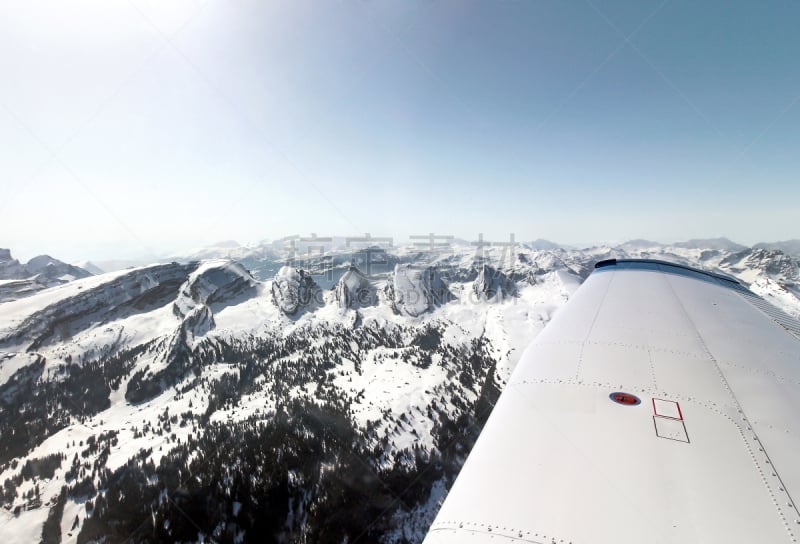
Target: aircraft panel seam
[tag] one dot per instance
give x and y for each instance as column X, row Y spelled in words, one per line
column 767, row 462
column 517, row 535
column 689, row 354
column 591, row 327
column 763, row 372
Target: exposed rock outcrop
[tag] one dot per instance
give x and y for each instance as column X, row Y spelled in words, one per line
column 214, row 283
column 773, row 263
column 293, row 289
column 354, row 290
column 415, row 290
column 493, row 284
column 10, row 268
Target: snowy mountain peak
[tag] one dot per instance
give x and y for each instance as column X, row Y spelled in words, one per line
column 39, row 273
column 641, row 243
column 543, row 244
column 721, row 243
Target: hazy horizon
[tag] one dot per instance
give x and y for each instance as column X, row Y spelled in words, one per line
column 396, row 241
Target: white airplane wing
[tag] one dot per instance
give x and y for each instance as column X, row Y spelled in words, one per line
column 661, row 404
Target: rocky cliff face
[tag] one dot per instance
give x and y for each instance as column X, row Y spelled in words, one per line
column 10, row 268
column 293, row 290
column 773, row 263
column 789, row 247
column 93, row 303
column 492, row 284
column 414, row 290
column 354, row 290
column 214, row 283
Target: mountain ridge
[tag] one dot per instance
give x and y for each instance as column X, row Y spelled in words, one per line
column 282, row 376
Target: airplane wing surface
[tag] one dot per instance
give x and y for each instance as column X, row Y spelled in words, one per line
column 661, row 404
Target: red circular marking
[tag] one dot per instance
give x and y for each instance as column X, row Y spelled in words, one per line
column 625, row 398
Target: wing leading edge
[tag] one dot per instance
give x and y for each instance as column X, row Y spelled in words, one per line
column 661, row 404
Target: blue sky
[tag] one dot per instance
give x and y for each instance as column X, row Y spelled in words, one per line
column 135, row 127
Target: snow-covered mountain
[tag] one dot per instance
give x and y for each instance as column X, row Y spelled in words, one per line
column 91, row 267
column 286, row 395
column 789, row 247
column 719, row 244
column 20, row 280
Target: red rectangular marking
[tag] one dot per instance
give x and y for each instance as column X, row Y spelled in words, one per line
column 667, row 408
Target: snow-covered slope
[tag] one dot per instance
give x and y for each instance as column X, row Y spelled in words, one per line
column 327, row 399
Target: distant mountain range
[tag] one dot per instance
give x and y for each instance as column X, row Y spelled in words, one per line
column 19, row 280
column 288, row 391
